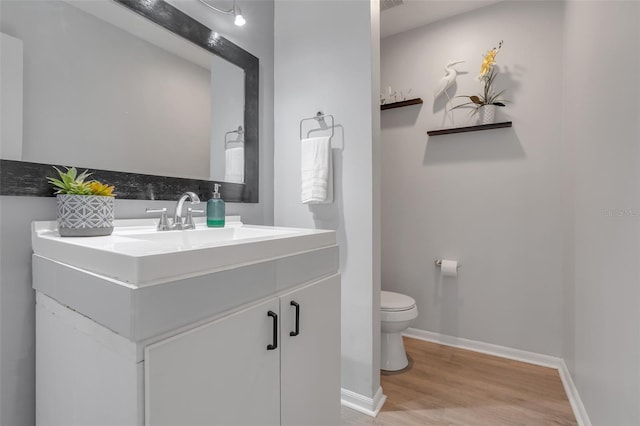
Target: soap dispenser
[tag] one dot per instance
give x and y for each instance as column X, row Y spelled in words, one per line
column 215, row 209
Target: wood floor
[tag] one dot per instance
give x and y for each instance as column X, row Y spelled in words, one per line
column 449, row 386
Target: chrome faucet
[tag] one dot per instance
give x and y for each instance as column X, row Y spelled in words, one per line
column 168, row 225
column 177, row 217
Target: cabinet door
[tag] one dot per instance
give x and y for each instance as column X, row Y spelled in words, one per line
column 310, row 360
column 218, row 374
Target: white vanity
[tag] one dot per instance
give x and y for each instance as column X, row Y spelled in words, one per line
column 230, row 326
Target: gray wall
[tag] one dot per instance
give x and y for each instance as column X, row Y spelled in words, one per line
column 11, row 76
column 488, row 199
column 603, row 341
column 325, row 53
column 17, row 363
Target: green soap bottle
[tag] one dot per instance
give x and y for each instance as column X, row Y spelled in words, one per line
column 215, row 209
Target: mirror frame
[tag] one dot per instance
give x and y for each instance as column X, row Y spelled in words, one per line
column 24, row 178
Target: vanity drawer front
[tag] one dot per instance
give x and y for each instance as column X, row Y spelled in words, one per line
column 305, row 267
column 164, row 307
column 142, row 313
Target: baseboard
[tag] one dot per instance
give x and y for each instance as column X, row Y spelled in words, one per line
column 574, row 398
column 515, row 354
column 485, row 348
column 369, row 406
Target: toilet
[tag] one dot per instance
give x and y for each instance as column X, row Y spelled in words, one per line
column 397, row 313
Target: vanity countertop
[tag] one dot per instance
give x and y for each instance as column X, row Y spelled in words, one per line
column 138, row 255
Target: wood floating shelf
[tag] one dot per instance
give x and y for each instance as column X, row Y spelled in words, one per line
column 400, row 104
column 470, row 128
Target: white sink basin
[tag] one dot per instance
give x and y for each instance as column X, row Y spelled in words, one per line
column 206, row 237
column 137, row 254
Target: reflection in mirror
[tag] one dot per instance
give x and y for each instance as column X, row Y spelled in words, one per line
column 227, row 117
column 105, row 88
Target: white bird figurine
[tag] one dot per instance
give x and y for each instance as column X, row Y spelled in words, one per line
column 446, row 81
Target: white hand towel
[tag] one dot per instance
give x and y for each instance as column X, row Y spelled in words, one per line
column 234, row 165
column 316, row 169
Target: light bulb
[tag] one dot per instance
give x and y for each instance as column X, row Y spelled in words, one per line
column 239, row 21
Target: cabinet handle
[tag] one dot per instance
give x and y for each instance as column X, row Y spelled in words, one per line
column 297, row 306
column 275, row 331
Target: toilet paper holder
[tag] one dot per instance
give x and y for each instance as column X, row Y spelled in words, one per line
column 439, row 263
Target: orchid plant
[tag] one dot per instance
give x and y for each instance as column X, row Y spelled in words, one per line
column 488, row 73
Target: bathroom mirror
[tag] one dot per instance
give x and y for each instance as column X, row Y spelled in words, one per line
column 136, row 91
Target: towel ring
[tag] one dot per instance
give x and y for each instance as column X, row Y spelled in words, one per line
column 318, row 117
column 239, row 131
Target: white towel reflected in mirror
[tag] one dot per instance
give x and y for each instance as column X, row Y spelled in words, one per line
column 234, row 165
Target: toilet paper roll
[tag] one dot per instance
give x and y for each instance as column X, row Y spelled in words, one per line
column 449, row 268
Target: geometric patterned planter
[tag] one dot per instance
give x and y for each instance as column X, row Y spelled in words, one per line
column 85, row 215
column 487, row 114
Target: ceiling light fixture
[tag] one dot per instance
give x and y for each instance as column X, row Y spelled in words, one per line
column 235, row 11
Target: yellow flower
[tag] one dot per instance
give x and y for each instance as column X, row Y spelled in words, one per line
column 98, row 188
column 487, row 63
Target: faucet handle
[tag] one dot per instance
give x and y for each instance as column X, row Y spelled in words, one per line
column 163, row 224
column 190, row 224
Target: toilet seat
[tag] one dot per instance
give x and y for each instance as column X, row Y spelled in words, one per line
column 399, row 316
column 395, row 302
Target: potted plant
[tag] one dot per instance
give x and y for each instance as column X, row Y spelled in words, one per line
column 486, row 103
column 85, row 208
